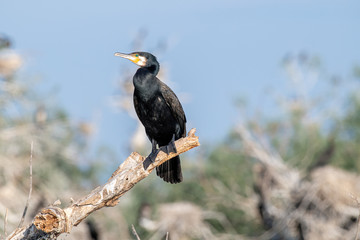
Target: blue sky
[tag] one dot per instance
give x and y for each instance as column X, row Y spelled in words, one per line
column 218, row 51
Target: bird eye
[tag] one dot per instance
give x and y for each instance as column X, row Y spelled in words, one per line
column 136, row 55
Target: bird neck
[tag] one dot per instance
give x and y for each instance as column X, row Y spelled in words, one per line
column 145, row 83
column 153, row 68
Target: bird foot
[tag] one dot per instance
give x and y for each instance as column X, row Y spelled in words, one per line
column 171, row 146
column 151, row 158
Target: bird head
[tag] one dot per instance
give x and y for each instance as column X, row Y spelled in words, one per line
column 142, row 59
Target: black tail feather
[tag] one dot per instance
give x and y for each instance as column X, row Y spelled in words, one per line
column 170, row 171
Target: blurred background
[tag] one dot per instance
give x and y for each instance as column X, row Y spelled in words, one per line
column 271, row 87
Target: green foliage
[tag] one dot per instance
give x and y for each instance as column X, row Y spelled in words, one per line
column 219, row 180
column 223, row 177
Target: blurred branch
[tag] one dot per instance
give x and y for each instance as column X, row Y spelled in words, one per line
column 294, row 205
column 53, row 221
column 254, row 149
column 30, row 189
column 5, row 222
column 134, row 232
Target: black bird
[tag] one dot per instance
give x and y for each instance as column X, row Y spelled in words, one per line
column 160, row 111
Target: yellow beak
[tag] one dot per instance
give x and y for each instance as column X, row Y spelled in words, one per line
column 128, row 56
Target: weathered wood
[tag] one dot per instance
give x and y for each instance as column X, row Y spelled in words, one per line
column 53, row 221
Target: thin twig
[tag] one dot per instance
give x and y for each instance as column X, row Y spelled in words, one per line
column 30, row 191
column 5, row 222
column 167, row 236
column 134, row 232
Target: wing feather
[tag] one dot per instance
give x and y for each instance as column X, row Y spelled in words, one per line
column 177, row 110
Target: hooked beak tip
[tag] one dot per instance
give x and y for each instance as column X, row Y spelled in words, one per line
column 129, row 56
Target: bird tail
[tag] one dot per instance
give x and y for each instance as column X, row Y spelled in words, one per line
column 170, row 171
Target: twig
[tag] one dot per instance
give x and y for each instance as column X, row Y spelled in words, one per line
column 53, row 221
column 5, row 222
column 30, row 191
column 134, row 232
column 167, row 236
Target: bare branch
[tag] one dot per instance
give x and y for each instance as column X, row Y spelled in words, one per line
column 5, row 222
column 53, row 221
column 134, row 232
column 30, row 189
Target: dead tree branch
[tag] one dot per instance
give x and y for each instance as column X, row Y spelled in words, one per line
column 297, row 205
column 53, row 221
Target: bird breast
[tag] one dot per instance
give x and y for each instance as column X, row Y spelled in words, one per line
column 157, row 118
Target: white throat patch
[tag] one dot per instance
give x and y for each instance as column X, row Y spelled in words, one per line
column 142, row 61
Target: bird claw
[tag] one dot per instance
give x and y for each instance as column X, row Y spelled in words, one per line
column 150, row 159
column 171, row 148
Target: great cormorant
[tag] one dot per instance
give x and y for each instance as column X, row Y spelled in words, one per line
column 160, row 111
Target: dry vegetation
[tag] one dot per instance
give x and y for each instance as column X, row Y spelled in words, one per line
column 287, row 178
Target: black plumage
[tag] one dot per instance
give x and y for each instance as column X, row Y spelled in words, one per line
column 160, row 111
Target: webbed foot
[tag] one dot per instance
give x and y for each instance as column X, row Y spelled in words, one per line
column 171, row 146
column 151, row 158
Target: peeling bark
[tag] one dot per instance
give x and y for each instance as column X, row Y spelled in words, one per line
column 53, row 221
